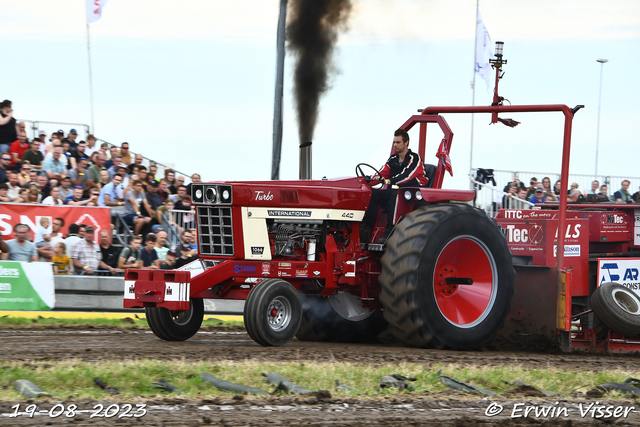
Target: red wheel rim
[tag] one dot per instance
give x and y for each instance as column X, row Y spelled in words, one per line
column 465, row 305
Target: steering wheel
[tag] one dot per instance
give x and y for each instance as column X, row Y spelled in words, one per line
column 360, row 172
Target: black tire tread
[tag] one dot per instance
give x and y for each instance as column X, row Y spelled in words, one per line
column 250, row 307
column 152, row 320
column 610, row 314
column 398, row 278
column 253, row 320
column 163, row 326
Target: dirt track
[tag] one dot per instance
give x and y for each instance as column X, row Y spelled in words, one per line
column 449, row 408
column 235, row 344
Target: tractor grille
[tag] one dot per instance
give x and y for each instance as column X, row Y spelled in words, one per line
column 215, row 230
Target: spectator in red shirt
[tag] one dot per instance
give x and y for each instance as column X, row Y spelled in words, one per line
column 18, row 148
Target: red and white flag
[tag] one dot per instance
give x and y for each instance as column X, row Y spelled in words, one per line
column 94, row 10
column 443, row 154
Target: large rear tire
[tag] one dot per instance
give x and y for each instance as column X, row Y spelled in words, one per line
column 272, row 312
column 447, row 278
column 320, row 322
column 176, row 326
column 618, row 308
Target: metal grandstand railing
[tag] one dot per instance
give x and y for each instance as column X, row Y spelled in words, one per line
column 83, row 129
column 496, row 200
column 37, row 125
column 176, row 223
column 122, row 233
column 148, row 162
column 488, row 196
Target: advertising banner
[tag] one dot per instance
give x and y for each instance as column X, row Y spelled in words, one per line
column 26, row 286
column 13, row 214
column 625, row 271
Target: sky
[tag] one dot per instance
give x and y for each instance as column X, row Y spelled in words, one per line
column 191, row 84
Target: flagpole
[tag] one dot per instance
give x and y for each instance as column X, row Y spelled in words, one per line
column 93, row 129
column 473, row 87
column 277, row 104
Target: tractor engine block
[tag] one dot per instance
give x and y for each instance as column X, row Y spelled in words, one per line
column 289, row 236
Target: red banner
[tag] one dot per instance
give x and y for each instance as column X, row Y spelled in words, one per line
column 14, row 214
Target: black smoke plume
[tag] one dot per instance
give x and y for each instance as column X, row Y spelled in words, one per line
column 312, row 33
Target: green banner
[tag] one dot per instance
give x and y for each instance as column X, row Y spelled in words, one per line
column 26, row 286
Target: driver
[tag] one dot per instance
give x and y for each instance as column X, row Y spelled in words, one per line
column 404, row 169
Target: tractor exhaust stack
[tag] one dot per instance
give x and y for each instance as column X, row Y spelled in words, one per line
column 305, row 160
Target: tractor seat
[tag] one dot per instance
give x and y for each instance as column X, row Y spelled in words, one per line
column 430, row 173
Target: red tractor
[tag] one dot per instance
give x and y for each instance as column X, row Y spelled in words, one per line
column 293, row 251
column 443, row 278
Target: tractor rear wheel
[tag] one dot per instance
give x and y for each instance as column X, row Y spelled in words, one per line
column 176, row 326
column 618, row 308
column 447, row 278
column 322, row 322
column 272, row 312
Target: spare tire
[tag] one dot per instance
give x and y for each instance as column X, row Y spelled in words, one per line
column 618, row 308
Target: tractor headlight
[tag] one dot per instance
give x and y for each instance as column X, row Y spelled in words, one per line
column 407, row 195
column 197, row 193
column 211, row 194
column 418, row 195
column 225, row 193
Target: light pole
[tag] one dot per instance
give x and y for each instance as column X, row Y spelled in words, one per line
column 602, row 62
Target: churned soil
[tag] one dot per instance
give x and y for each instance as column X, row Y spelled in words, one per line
column 232, row 343
column 224, row 343
column 444, row 409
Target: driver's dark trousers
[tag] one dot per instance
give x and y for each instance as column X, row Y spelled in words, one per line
column 381, row 198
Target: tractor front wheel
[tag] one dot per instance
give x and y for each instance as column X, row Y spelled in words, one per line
column 176, row 326
column 272, row 312
column 447, row 278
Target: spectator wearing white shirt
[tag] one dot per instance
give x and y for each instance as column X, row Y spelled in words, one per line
column 56, row 232
column 72, row 237
column 54, row 198
column 91, row 145
column 87, row 256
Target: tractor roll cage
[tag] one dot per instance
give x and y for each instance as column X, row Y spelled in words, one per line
column 432, row 115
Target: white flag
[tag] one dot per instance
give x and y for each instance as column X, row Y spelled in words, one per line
column 484, row 52
column 94, row 10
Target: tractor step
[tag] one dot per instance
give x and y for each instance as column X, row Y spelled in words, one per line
column 373, row 247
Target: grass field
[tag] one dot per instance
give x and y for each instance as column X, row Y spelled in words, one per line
column 134, row 377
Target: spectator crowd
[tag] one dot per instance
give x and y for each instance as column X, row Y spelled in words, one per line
column 59, row 170
column 539, row 192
